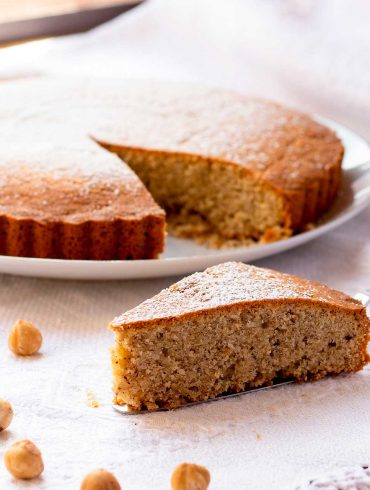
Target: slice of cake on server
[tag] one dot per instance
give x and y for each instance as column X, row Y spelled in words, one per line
column 230, row 328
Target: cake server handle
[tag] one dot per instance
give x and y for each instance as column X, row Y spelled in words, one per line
column 364, row 298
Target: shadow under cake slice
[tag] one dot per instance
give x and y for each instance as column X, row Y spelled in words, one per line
column 230, row 328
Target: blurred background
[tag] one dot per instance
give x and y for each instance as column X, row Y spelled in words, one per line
column 28, row 19
column 311, row 54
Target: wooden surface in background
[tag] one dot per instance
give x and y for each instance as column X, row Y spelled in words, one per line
column 23, row 20
column 14, row 10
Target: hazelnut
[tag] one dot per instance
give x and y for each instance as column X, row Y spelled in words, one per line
column 189, row 476
column 100, row 480
column 24, row 338
column 23, row 460
column 6, row 414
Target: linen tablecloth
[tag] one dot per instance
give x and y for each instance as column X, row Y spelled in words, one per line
column 311, row 54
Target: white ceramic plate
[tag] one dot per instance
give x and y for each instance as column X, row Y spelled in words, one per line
column 184, row 256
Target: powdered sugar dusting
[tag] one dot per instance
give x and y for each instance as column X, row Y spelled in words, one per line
column 47, row 155
column 231, row 283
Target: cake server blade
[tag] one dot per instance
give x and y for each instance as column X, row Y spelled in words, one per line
column 364, row 298
column 123, row 409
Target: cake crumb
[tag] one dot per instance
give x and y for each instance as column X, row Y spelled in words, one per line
column 91, row 400
column 309, row 226
column 258, row 436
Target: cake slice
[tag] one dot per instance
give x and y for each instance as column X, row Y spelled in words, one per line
column 233, row 327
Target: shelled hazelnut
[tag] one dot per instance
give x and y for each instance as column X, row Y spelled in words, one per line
column 100, row 480
column 6, row 414
column 189, row 476
column 23, row 460
column 24, row 338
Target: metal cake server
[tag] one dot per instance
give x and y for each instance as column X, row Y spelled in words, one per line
column 126, row 411
column 364, row 298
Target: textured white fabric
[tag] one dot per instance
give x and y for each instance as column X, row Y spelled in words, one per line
column 312, row 54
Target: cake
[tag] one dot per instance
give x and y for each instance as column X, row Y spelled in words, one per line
column 231, row 328
column 89, row 168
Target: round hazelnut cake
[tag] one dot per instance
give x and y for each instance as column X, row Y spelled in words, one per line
column 97, row 169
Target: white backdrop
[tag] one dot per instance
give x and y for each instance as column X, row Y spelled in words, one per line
column 313, row 55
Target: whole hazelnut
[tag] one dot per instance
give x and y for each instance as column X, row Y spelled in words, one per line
column 23, row 460
column 6, row 414
column 189, row 476
column 24, row 338
column 100, row 480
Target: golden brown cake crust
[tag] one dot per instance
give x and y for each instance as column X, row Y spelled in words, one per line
column 61, row 190
column 225, row 285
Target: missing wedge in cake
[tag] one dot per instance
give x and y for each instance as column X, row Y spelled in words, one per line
column 231, row 328
column 216, row 203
